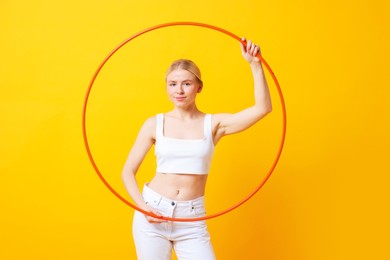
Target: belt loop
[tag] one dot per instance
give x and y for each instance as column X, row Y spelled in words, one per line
column 158, row 200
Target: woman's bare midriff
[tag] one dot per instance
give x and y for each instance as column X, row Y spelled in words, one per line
column 179, row 186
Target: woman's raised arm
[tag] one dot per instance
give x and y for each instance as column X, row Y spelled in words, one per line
column 233, row 123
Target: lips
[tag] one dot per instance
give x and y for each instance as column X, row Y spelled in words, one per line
column 180, row 98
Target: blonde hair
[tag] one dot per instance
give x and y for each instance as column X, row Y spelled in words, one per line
column 187, row 65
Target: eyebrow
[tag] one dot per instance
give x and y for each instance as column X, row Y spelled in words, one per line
column 186, row 80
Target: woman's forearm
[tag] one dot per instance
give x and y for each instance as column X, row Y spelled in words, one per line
column 132, row 188
column 261, row 90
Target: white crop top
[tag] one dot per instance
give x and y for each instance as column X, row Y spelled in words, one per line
column 187, row 156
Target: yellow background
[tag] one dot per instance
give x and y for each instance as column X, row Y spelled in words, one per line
column 328, row 197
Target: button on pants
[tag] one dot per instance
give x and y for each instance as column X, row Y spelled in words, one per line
column 190, row 240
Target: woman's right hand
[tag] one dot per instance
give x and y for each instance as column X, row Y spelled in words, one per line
column 151, row 219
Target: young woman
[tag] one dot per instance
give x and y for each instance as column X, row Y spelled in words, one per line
column 184, row 140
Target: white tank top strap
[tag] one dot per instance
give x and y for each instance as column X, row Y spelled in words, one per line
column 159, row 125
column 207, row 126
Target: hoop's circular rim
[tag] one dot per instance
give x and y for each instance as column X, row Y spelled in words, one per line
column 84, row 130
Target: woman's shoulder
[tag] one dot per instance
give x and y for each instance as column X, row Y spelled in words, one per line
column 150, row 123
column 148, row 128
column 218, row 117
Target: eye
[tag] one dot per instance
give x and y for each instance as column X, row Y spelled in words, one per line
column 172, row 84
column 187, row 84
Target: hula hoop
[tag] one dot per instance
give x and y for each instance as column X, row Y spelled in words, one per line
column 183, row 219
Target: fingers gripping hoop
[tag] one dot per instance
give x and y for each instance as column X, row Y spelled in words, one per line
column 183, row 219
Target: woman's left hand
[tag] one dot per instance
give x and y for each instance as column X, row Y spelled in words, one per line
column 250, row 51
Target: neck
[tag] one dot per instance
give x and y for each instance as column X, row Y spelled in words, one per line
column 185, row 113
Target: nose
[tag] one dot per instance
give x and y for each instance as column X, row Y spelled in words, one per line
column 179, row 90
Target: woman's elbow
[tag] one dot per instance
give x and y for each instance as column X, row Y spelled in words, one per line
column 268, row 109
column 262, row 111
column 125, row 174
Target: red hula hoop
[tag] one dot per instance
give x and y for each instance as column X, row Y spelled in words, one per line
column 183, row 219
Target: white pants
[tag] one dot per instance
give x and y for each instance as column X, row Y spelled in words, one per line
column 190, row 240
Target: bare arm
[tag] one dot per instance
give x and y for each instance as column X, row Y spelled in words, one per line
column 237, row 122
column 141, row 147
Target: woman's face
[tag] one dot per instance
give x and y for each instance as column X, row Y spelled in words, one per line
column 182, row 87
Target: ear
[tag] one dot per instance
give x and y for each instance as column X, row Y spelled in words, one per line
column 200, row 89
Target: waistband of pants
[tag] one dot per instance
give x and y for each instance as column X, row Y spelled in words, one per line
column 151, row 194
